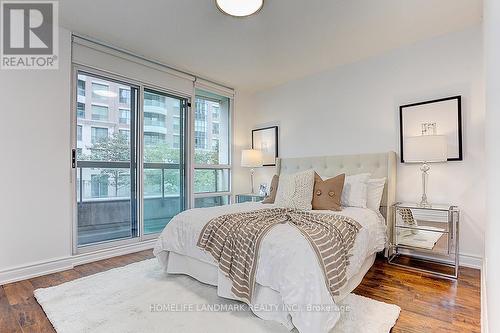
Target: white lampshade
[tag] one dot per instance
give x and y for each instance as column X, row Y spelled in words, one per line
column 251, row 158
column 239, row 8
column 426, row 148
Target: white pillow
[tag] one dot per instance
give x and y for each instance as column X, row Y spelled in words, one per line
column 355, row 190
column 375, row 191
column 296, row 190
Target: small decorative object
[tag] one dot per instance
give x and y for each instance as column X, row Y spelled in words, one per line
column 263, row 190
column 438, row 117
column 426, row 149
column 251, row 158
column 266, row 140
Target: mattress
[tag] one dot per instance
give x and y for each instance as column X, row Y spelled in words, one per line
column 299, row 285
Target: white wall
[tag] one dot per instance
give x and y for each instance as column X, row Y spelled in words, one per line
column 243, row 122
column 492, row 253
column 354, row 109
column 35, row 197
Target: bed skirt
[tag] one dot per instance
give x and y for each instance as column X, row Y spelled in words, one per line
column 210, row 274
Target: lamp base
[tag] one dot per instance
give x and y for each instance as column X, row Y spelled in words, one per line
column 425, row 171
column 424, row 204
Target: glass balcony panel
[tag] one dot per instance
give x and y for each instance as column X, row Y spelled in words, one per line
column 104, row 204
column 211, row 180
column 211, row 201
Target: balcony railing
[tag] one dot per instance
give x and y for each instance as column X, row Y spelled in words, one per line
column 105, row 211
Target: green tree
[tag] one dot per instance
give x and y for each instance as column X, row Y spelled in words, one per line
column 112, row 149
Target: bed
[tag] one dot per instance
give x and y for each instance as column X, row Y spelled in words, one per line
column 284, row 292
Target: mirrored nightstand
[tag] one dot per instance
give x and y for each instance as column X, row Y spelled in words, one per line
column 426, row 238
column 239, row 198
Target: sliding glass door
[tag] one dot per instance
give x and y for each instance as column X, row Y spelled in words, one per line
column 105, row 159
column 116, row 124
column 163, row 128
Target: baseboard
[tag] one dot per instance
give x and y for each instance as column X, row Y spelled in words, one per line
column 62, row 264
column 85, row 258
column 471, row 261
column 484, row 303
column 34, row 270
column 465, row 260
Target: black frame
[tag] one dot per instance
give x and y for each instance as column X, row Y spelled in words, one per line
column 459, row 118
column 276, row 139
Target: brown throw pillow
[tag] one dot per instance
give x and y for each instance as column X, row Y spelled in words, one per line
column 327, row 193
column 272, row 190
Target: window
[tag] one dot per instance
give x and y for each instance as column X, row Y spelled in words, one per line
column 100, row 92
column 215, row 112
column 116, row 160
column 215, row 145
column 176, row 141
column 124, row 96
column 80, row 110
column 211, row 201
column 81, row 87
column 200, row 112
column 124, row 117
column 79, row 129
column 211, row 142
column 215, row 128
column 100, row 112
column 208, row 180
column 200, row 140
column 164, row 169
column 125, row 134
column 153, row 138
column 99, row 186
column 154, row 100
column 99, row 134
column 176, row 123
column 154, row 119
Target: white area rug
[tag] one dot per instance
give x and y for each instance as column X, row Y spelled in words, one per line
column 121, row 300
column 422, row 238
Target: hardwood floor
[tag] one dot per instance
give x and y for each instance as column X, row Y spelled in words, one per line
column 428, row 304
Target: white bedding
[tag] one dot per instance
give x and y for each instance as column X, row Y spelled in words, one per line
column 300, row 284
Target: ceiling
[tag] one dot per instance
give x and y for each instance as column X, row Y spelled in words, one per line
column 288, row 39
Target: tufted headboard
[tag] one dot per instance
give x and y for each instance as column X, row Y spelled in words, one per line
column 379, row 165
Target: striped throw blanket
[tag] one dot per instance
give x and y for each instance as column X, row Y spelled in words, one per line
column 234, row 242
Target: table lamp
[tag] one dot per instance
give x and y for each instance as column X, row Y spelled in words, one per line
column 425, row 149
column 251, row 158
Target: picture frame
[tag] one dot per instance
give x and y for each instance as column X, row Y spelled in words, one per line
column 439, row 117
column 266, row 140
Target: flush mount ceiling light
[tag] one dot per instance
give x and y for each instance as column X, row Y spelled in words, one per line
column 239, row 8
